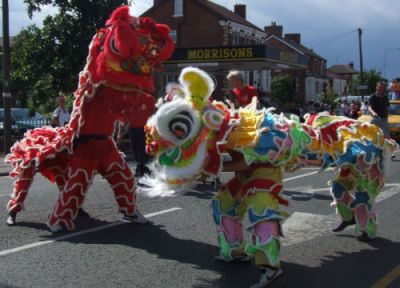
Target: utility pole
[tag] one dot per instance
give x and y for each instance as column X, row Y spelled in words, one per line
column 6, row 79
column 361, row 61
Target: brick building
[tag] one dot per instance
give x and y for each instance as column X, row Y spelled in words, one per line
column 346, row 72
column 309, row 82
column 216, row 39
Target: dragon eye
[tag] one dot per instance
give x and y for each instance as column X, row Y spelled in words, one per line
column 113, row 48
column 181, row 125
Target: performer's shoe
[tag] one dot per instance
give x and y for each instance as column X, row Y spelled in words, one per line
column 343, row 225
column 393, row 156
column 56, row 228
column 240, row 258
column 11, row 219
column 137, row 217
column 83, row 213
column 267, row 277
column 363, row 237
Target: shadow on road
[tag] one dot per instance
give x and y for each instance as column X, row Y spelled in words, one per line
column 343, row 269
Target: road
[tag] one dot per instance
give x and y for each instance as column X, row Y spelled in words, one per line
column 177, row 249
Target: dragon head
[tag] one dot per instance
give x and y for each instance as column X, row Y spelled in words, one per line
column 128, row 50
column 183, row 134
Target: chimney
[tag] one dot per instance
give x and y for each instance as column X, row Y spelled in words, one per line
column 240, row 9
column 274, row 29
column 156, row 2
column 296, row 37
column 351, row 64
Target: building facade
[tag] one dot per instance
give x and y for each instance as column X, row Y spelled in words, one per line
column 217, row 40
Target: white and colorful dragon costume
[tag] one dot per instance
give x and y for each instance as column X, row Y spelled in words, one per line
column 118, row 74
column 188, row 135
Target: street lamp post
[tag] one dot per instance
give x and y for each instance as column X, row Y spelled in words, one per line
column 6, row 79
column 384, row 59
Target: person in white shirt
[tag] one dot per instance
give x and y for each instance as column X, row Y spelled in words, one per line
column 61, row 114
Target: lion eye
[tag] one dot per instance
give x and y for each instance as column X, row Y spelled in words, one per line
column 113, row 47
column 181, row 125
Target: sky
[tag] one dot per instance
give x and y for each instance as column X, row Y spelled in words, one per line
column 327, row 26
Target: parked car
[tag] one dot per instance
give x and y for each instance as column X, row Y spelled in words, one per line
column 394, row 119
column 22, row 121
column 14, row 127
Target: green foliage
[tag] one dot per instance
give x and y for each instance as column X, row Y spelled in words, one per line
column 48, row 60
column 282, row 88
column 371, row 77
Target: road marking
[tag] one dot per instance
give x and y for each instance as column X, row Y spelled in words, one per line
column 300, row 176
column 4, row 195
column 387, row 193
column 388, row 278
column 80, row 233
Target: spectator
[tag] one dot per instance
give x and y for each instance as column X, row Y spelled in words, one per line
column 60, row 114
column 137, row 118
column 346, row 109
column 241, row 94
column 364, row 108
column 378, row 107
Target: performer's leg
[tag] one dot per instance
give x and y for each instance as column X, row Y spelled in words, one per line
column 138, row 139
column 80, row 176
column 118, row 173
column 365, row 216
column 363, row 204
column 340, row 188
column 227, row 215
column 265, row 217
column 21, row 188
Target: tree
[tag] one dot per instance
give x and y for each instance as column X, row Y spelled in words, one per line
column 371, row 77
column 282, row 88
column 48, row 60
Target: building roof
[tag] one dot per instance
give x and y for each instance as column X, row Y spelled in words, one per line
column 226, row 14
column 303, row 48
column 299, row 47
column 332, row 75
column 221, row 12
column 342, row 69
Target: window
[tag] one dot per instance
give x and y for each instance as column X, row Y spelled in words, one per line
column 178, row 7
column 173, row 35
column 235, row 38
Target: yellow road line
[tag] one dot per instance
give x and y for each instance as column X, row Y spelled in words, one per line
column 388, row 278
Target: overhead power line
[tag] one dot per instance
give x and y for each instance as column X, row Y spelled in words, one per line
column 333, row 39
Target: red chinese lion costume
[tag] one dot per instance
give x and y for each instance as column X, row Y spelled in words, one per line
column 118, row 74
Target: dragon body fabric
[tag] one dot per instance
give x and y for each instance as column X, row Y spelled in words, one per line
column 189, row 135
column 118, row 74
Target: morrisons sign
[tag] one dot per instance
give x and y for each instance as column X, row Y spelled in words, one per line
column 217, row 54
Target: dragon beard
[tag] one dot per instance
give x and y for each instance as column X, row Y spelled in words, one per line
column 170, row 181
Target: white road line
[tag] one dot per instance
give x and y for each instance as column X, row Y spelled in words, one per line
column 300, row 176
column 301, row 227
column 310, row 168
column 4, row 195
column 387, row 193
column 80, row 233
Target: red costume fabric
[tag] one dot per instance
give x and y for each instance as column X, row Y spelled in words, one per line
column 245, row 95
column 122, row 59
column 138, row 115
